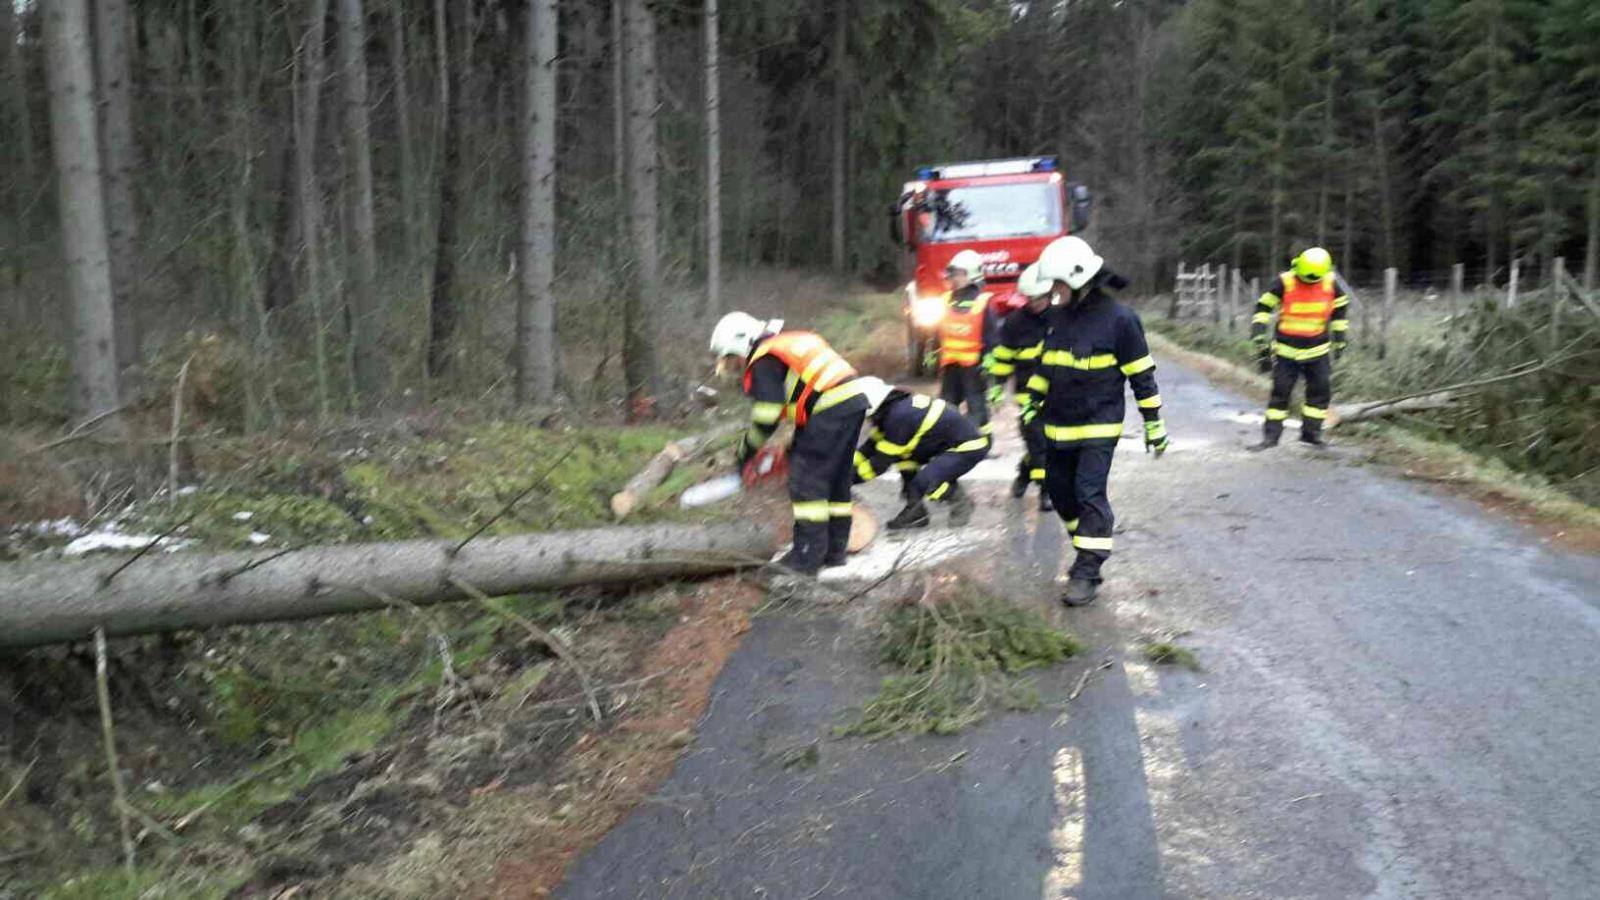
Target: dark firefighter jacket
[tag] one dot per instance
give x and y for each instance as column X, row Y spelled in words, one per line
column 1095, row 344
column 914, row 428
column 1021, row 341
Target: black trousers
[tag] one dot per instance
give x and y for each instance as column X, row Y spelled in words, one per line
column 1034, row 451
column 1075, row 477
column 969, row 385
column 939, row 476
column 1318, row 374
column 821, row 465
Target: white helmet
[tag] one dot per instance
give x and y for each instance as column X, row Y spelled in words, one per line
column 1032, row 285
column 737, row 332
column 876, row 390
column 1069, row 259
column 967, row 262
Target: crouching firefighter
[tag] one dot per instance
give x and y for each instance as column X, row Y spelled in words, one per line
column 1313, row 324
column 1016, row 357
column 932, row 444
column 795, row 375
column 1094, row 346
column 967, row 334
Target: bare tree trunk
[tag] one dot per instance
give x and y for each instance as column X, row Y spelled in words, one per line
column 442, row 302
column 409, row 218
column 639, row 317
column 21, row 124
column 54, row 602
column 365, row 332
column 536, row 321
column 114, row 87
column 1385, row 188
column 619, row 111
column 75, row 138
column 308, row 97
column 1591, row 246
column 713, row 300
column 841, row 126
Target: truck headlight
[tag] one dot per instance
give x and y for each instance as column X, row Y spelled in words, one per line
column 926, row 312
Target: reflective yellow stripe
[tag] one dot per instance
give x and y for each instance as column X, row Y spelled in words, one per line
column 1083, row 432
column 1035, row 474
column 939, row 491
column 1004, row 352
column 1297, row 324
column 1341, row 325
column 1299, row 354
column 1313, row 412
column 1277, row 415
column 1065, row 359
column 1091, row 543
column 986, row 428
column 907, row 465
column 1038, row 384
column 840, row 510
column 1072, row 525
column 1262, row 318
column 1002, row 369
column 970, row 446
column 1151, row 402
column 811, row 511
column 1341, row 300
column 1142, row 364
column 935, row 410
column 836, row 396
column 766, row 413
column 1270, row 301
column 1033, row 352
column 864, row 467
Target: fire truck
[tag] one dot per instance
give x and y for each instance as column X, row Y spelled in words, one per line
column 1006, row 209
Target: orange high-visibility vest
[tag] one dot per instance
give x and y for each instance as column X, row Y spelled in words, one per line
column 961, row 332
column 812, row 364
column 1306, row 307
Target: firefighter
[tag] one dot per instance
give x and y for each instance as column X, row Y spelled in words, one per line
column 796, row 375
column 967, row 334
column 1094, row 345
column 1016, row 357
column 929, row 440
column 1313, row 324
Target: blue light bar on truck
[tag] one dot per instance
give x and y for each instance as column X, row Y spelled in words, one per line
column 1019, row 166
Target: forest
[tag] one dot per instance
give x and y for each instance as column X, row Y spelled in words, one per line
column 347, row 204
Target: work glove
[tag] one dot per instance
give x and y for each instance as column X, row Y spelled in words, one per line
column 1155, row 437
column 1030, row 411
column 988, row 362
column 997, row 394
column 930, row 360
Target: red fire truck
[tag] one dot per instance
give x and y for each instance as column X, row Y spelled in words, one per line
column 1006, row 209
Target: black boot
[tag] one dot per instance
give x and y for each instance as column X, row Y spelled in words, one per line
column 1312, row 436
column 810, row 544
column 838, row 543
column 1045, row 503
column 1270, row 433
column 961, row 506
column 914, row 515
column 1019, row 485
column 1080, row 592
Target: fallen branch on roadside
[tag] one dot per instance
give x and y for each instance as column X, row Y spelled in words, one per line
column 556, row 645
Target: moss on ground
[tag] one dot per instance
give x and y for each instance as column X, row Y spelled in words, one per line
column 1166, row 653
column 957, row 659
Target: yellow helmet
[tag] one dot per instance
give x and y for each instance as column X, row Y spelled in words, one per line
column 1313, row 265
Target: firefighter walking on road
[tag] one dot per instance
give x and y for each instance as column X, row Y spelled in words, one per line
column 967, row 334
column 932, row 445
column 1095, row 345
column 1313, row 326
column 1016, row 358
column 796, row 375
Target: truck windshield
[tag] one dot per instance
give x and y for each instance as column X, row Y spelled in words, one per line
column 991, row 211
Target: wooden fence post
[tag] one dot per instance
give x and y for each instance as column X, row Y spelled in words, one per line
column 1511, row 290
column 1216, row 293
column 1233, row 301
column 1366, row 323
column 1458, row 280
column 1391, row 281
column 1177, row 292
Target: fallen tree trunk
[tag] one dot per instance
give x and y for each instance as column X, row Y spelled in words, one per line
column 49, row 602
column 1361, row 412
column 661, row 465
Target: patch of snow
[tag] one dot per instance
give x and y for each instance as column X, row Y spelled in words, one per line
column 186, row 490
column 243, row 515
column 257, row 537
column 106, row 540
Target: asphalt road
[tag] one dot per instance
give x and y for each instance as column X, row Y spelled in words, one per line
column 1400, row 698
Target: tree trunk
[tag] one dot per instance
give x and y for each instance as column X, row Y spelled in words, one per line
column 365, row 333
column 639, row 317
column 60, row 601
column 442, row 302
column 841, row 127
column 117, row 158
column 536, row 320
column 21, row 127
column 308, row 96
column 1591, row 246
column 402, row 113
column 75, row 138
column 713, row 299
column 619, row 113
column 661, row 465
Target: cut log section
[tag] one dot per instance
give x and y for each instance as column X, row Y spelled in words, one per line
column 661, row 465
column 47, row 602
